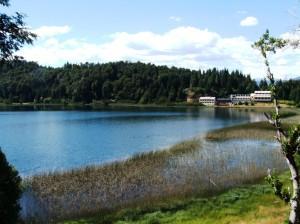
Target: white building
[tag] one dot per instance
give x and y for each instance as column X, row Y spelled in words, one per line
column 207, row 100
column 261, row 96
column 240, row 98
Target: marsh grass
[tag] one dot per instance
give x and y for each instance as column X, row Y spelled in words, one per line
column 258, row 130
column 255, row 204
column 249, row 204
column 57, row 195
column 261, row 130
column 193, row 167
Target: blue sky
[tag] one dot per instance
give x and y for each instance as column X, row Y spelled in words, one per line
column 186, row 33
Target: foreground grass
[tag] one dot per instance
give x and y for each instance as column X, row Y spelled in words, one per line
column 251, row 204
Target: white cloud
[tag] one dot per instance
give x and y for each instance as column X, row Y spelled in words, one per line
column 175, row 18
column 291, row 35
column 249, row 21
column 187, row 47
column 293, row 38
column 51, row 31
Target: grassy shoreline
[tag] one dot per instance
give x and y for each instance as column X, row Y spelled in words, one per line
column 258, row 130
column 125, row 104
column 99, row 104
column 255, row 204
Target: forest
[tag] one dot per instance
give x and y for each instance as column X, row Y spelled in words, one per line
column 22, row 81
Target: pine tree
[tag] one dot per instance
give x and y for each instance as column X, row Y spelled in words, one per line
column 10, row 192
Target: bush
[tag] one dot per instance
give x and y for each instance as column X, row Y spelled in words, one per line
column 47, row 100
column 10, row 192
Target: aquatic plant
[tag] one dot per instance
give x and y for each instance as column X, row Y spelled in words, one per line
column 257, row 130
column 193, row 167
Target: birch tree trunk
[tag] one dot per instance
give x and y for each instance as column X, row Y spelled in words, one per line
column 290, row 141
column 294, row 217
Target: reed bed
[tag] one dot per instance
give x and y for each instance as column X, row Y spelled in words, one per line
column 293, row 119
column 258, row 130
column 261, row 130
column 189, row 168
column 59, row 195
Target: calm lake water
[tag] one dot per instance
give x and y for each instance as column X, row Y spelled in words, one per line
column 37, row 141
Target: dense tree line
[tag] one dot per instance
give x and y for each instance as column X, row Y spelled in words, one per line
column 289, row 90
column 286, row 90
column 122, row 81
column 125, row 82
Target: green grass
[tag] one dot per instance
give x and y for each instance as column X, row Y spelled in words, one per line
column 249, row 204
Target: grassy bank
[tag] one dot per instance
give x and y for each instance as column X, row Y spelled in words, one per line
column 257, row 130
column 254, row 204
column 100, row 104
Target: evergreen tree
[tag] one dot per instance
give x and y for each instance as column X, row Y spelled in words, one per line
column 10, row 192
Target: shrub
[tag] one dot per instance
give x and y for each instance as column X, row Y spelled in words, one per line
column 47, row 100
column 10, row 192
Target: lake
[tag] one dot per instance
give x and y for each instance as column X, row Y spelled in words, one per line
column 38, row 141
